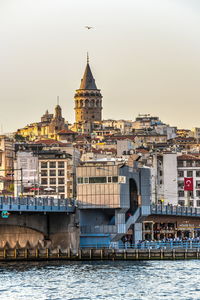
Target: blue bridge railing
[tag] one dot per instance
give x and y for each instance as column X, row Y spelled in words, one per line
column 37, row 204
column 174, row 210
column 146, row 245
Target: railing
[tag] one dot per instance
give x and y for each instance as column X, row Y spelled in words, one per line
column 146, row 245
column 36, row 204
column 175, row 210
column 99, row 229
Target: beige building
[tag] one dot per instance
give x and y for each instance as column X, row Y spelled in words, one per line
column 124, row 126
column 48, row 127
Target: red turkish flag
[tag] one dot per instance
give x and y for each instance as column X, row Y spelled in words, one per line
column 188, row 184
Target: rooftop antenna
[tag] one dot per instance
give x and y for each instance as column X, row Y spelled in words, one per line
column 87, row 58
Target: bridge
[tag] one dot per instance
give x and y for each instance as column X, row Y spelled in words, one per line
column 31, row 204
column 30, row 221
column 169, row 210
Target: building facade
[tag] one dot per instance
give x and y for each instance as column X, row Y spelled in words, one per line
column 48, row 127
column 46, row 168
column 189, row 167
column 112, row 198
column 6, row 164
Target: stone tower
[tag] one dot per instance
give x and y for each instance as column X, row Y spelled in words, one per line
column 88, row 102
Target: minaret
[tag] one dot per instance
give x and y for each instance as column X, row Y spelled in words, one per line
column 88, row 101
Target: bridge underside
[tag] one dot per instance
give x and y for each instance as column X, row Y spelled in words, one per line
column 39, row 230
column 13, row 236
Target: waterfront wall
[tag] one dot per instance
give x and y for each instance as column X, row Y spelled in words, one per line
column 98, row 254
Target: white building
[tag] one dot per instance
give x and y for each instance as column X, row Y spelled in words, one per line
column 6, row 164
column 189, row 166
column 26, row 174
column 124, row 147
column 164, row 178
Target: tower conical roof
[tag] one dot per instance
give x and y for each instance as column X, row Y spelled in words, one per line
column 88, row 82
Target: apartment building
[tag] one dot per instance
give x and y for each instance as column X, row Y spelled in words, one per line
column 56, row 177
column 46, row 168
column 188, row 166
column 6, row 165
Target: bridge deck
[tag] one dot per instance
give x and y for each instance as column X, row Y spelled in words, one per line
column 37, row 204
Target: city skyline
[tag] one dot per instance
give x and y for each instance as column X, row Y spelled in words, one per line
column 141, row 62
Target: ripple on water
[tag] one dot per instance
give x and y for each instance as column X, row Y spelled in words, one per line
column 152, row 280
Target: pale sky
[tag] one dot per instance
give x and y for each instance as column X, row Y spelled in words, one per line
column 144, row 55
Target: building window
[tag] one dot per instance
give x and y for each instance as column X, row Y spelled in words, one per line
column 191, row 203
column 52, row 164
column 43, row 165
column 190, row 194
column 181, row 202
column 61, row 189
column 52, row 180
column 180, row 174
column 44, row 173
column 97, row 179
column 109, row 179
column 197, row 173
column 180, row 184
column 181, row 193
column 61, row 181
column 198, row 184
column 114, row 179
column 189, row 173
column 61, row 164
column 80, row 180
column 180, row 163
column 198, row 193
column 86, row 180
column 61, row 172
column 52, row 172
column 189, row 163
column 198, row 203
column 43, row 181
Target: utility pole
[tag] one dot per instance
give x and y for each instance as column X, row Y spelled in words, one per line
column 16, row 180
column 21, row 172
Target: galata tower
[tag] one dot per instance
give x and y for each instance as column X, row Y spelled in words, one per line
column 88, row 103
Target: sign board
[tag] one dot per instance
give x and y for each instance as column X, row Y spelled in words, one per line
column 122, row 179
column 5, row 214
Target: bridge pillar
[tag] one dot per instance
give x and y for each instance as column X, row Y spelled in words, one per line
column 64, row 231
column 137, row 233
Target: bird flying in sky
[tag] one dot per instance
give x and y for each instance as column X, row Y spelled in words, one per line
column 88, row 27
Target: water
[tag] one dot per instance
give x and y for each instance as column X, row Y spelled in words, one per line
column 100, row 280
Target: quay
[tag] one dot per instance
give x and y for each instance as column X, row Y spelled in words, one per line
column 46, row 254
